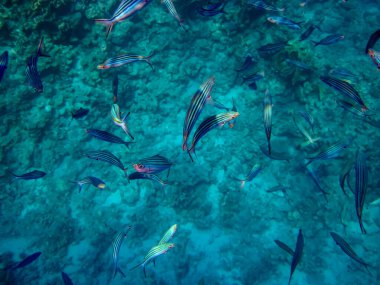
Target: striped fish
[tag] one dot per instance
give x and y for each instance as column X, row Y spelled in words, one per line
column 125, row 9
column 331, row 152
column 3, row 64
column 35, row 174
column 106, row 136
column 271, row 49
column 209, row 124
column 372, row 40
column 297, row 254
column 153, row 253
column 124, row 59
column 375, row 55
column 106, row 156
column 148, row 176
column 282, row 21
column 345, row 88
column 329, row 40
column 347, row 249
column 153, row 164
column 343, row 74
column 308, row 118
column 267, row 118
column 256, row 169
column 261, row 5
column 196, row 106
column 116, row 245
column 121, row 122
column 66, row 279
column 168, row 235
column 284, row 247
column 96, row 182
column 316, row 181
column 172, row 10
column 361, row 182
column 353, row 108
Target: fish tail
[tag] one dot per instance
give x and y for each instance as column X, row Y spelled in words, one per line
column 106, row 22
column 362, row 226
column 191, row 150
column 136, row 266
column 13, row 178
column 80, row 185
column 148, row 59
column 315, row 43
column 40, row 47
column 118, row 270
column 269, row 148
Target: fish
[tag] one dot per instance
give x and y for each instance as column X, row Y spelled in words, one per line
column 31, row 71
column 90, row 180
column 256, row 169
column 153, row 164
column 342, row 74
column 305, row 133
column 372, row 40
column 124, row 59
column 209, row 124
column 361, row 183
column 277, row 188
column 196, row 106
column 66, row 279
column 116, row 245
column 26, row 261
column 3, row 64
column 115, row 87
column 35, row 174
column 248, row 62
column 270, row 49
column 262, row 5
column 253, row 77
column 345, row 174
column 330, row 152
column 220, row 105
column 212, row 12
column 282, row 21
column 153, row 253
column 284, row 247
column 329, row 40
column 347, row 249
column 344, row 88
column 297, row 254
column 125, row 9
column 79, row 113
column 148, row 176
column 298, row 64
column 106, row 136
column 353, row 108
column 267, row 118
column 172, row 10
column 316, row 181
column 213, row 6
column 308, row 118
column 375, row 55
column 306, row 34
column 169, row 234
column 121, row 122
column 106, row 156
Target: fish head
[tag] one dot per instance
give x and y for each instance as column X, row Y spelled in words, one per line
column 139, row 167
column 272, row 20
column 101, row 186
column 102, row 66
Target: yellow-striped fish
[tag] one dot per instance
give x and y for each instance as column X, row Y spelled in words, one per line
column 169, row 234
column 118, row 121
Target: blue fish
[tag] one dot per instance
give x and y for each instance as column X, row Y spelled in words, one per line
column 35, row 174
column 3, row 64
column 66, row 279
column 329, row 40
column 26, row 261
column 212, row 12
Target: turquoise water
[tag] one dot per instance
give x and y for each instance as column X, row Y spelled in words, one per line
column 225, row 234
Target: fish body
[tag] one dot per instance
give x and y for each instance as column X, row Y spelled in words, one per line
column 316, row 181
column 124, row 59
column 209, row 124
column 80, row 113
column 361, row 183
column 344, row 88
column 172, row 10
column 343, row 74
column 347, row 249
column 282, row 21
column 215, row 10
column 262, row 5
column 298, row 64
column 121, row 122
column 26, row 261
column 297, row 254
column 116, row 245
column 96, row 182
column 66, row 279
column 35, row 174
column 308, row 118
column 372, row 40
column 153, row 164
column 375, row 55
column 106, row 156
column 153, row 253
column 353, row 108
column 3, row 64
column 271, row 49
column 331, row 152
column 147, row 176
column 125, row 9
column 169, row 234
column 267, row 118
column 115, row 87
column 329, row 40
column 256, row 169
column 284, row 247
column 106, row 136
column 253, row 77
column 196, row 106
column 306, row 34
column 248, row 62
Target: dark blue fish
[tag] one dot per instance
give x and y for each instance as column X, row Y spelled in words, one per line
column 316, row 181
column 284, row 247
column 213, row 6
column 80, row 113
column 271, row 49
column 106, row 136
column 308, row 32
column 282, row 21
column 253, row 77
column 115, row 87
column 210, row 13
column 219, row 105
column 331, row 152
column 361, row 183
column 96, row 182
column 329, row 40
column 372, row 40
column 35, row 174
column 3, row 64
column 297, row 254
column 248, row 62
column 28, row 260
column 66, row 279
column 298, row 64
column 106, row 156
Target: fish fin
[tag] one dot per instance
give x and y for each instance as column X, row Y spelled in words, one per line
column 144, row 271
column 148, row 59
column 106, row 22
column 40, row 47
column 125, row 117
column 154, row 262
column 136, row 266
column 315, row 43
column 13, row 178
column 189, row 151
column 118, row 270
column 128, row 143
